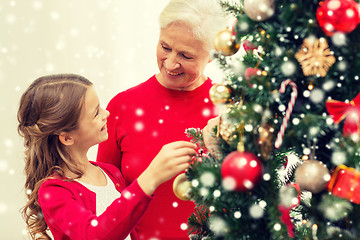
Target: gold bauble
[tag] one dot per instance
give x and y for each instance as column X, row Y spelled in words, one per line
column 181, row 187
column 230, row 122
column 220, row 93
column 228, row 130
column 312, row 176
column 225, row 42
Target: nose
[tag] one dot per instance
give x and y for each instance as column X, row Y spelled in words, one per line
column 106, row 114
column 171, row 62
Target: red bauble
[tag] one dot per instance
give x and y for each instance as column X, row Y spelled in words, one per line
column 241, row 171
column 338, row 16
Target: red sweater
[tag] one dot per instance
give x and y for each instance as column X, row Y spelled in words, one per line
column 69, row 209
column 142, row 120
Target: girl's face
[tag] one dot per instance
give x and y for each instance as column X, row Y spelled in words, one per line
column 92, row 122
column 181, row 58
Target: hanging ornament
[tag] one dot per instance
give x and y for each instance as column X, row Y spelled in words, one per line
column 289, row 198
column 338, row 16
column 250, row 73
column 241, row 171
column 248, row 46
column 265, row 141
column 181, row 187
column 259, row 10
column 350, row 111
column 345, row 183
column 225, row 43
column 228, row 125
column 288, row 112
column 312, row 176
column 315, row 56
column 220, row 93
column 228, row 130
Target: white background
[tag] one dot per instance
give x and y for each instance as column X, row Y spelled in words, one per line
column 110, row 42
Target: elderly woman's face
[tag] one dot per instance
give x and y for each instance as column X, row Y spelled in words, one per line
column 181, row 58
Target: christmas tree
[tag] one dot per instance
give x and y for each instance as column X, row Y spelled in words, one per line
column 285, row 162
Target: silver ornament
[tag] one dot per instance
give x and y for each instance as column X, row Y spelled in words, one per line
column 312, row 176
column 259, row 10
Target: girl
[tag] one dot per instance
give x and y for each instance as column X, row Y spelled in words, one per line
column 60, row 118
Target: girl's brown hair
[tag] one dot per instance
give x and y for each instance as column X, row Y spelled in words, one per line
column 51, row 105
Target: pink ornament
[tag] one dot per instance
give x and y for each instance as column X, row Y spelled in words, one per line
column 248, row 46
column 249, row 72
column 241, row 171
column 338, row 16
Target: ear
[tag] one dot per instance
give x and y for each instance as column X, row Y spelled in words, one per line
column 66, row 139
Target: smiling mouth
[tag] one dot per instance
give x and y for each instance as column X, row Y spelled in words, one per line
column 173, row 73
column 103, row 128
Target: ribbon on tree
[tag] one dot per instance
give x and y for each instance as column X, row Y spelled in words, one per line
column 285, row 210
column 289, row 109
column 350, row 111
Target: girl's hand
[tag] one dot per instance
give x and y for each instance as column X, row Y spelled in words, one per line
column 173, row 158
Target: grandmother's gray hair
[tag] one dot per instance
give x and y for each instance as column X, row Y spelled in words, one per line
column 204, row 17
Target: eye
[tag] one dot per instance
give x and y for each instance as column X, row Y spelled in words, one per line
column 186, row 57
column 165, row 48
column 96, row 113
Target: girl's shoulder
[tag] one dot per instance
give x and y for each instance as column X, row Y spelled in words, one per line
column 56, row 181
column 61, row 188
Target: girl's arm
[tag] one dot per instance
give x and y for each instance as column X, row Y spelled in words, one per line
column 65, row 212
column 66, row 209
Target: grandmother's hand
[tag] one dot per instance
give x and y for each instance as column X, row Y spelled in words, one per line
column 210, row 140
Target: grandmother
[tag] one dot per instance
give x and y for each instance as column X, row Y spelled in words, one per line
column 157, row 111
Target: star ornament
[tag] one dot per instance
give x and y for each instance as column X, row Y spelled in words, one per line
column 315, row 57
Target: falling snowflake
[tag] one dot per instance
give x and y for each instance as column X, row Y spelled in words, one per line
column 94, row 223
column 139, row 112
column 206, row 112
column 139, row 126
column 315, row 57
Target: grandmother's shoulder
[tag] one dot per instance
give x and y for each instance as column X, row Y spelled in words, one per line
column 139, row 88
